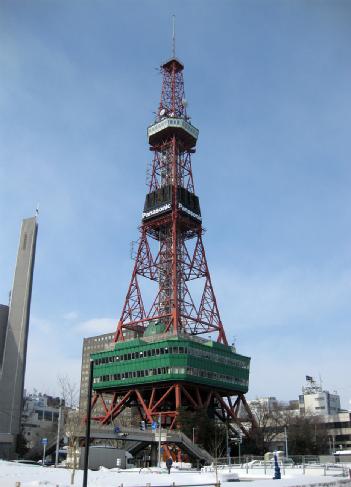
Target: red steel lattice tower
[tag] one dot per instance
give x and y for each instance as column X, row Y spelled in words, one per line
column 172, row 217
column 159, row 363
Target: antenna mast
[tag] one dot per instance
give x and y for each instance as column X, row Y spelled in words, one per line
column 173, row 36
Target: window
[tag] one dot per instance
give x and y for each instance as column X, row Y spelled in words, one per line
column 39, row 413
column 47, row 415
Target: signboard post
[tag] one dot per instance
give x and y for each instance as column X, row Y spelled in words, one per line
column 44, row 442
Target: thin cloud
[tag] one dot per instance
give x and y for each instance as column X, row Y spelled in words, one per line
column 71, row 316
column 95, row 326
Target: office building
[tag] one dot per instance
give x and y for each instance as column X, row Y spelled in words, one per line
column 14, row 322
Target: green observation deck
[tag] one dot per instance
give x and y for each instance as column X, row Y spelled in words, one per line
column 157, row 358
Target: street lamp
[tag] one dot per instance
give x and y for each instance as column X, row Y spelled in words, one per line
column 87, row 428
column 58, row 434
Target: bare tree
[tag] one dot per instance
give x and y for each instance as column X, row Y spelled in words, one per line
column 73, row 421
column 270, row 420
column 69, row 391
column 73, row 428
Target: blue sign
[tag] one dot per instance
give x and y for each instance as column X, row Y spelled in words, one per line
column 44, row 441
column 154, row 425
column 117, row 429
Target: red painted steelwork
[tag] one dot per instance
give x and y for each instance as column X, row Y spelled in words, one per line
column 175, row 263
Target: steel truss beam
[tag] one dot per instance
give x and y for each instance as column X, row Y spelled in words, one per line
column 168, row 401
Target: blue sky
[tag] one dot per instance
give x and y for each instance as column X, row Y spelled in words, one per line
column 268, row 85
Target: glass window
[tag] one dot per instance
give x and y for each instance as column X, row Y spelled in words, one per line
column 153, row 352
column 39, row 413
column 157, row 351
column 47, row 415
column 181, row 349
column 166, row 349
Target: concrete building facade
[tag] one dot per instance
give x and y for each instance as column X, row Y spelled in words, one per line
column 39, row 418
column 14, row 337
column 91, row 345
column 314, row 400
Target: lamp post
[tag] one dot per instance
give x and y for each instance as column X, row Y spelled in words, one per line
column 87, row 426
column 227, row 445
column 58, row 434
column 159, row 441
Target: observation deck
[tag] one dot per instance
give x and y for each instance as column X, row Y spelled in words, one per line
column 169, row 126
column 167, row 358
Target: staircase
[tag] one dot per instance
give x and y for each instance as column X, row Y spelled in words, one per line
column 136, row 439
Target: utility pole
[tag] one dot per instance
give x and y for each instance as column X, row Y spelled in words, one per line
column 286, row 442
column 58, row 434
column 87, row 426
column 227, row 444
column 159, row 441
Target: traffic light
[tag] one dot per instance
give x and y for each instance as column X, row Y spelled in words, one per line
column 142, row 425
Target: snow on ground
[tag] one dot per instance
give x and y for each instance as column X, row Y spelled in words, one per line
column 37, row 476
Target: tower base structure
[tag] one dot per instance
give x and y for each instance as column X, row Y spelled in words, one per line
column 160, row 376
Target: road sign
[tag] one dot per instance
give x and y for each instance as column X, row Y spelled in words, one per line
column 154, row 425
column 44, row 441
column 117, row 429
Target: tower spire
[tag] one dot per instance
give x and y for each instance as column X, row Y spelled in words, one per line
column 173, row 36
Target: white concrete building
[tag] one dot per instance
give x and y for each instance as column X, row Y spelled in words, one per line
column 39, row 418
column 315, row 401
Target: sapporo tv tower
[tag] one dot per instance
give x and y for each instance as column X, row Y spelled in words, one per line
column 159, row 363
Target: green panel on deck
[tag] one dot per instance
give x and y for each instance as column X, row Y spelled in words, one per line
column 174, row 358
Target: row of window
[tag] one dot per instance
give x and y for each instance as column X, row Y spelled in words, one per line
column 47, row 415
column 170, row 370
column 154, row 352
